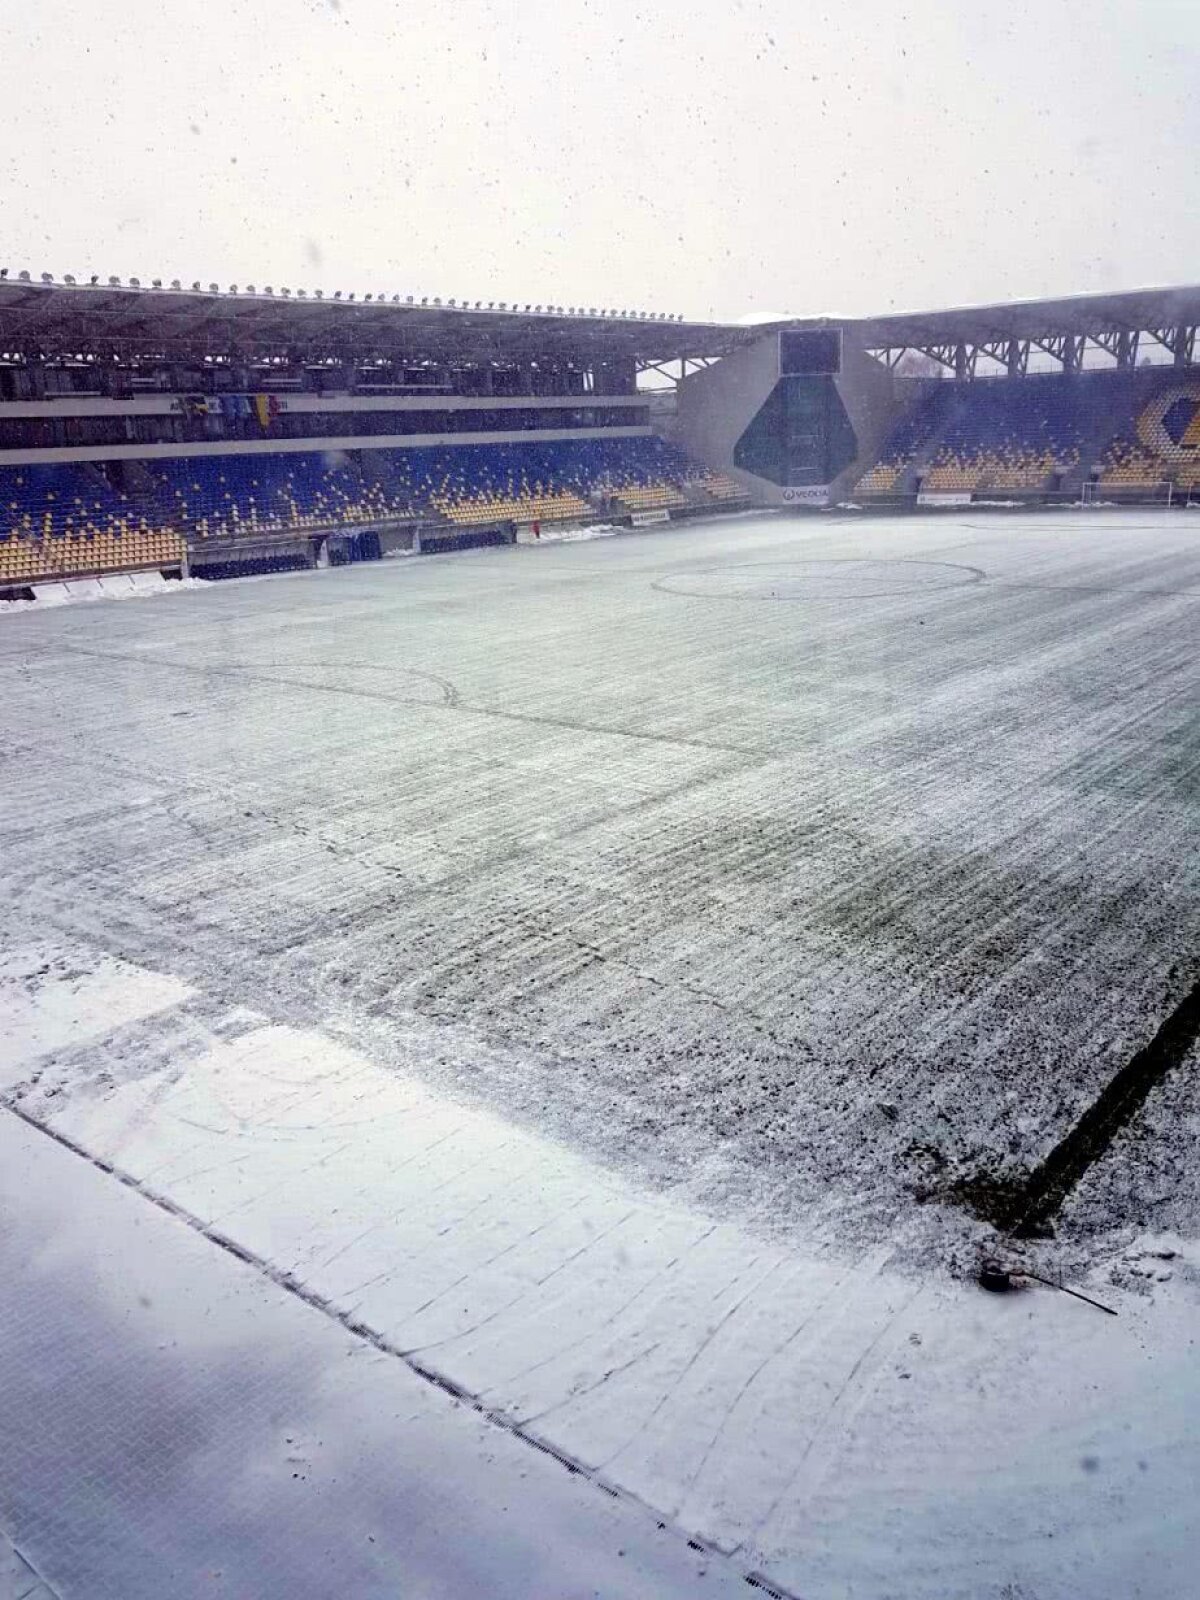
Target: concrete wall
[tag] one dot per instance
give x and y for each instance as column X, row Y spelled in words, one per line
column 716, row 406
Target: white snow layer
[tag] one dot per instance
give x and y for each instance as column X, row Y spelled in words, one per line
column 176, row 1427
column 49, row 999
column 847, row 1428
column 786, row 868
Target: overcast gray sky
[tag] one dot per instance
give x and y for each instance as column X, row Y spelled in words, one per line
column 678, row 155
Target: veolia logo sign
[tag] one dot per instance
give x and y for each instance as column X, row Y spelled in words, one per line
column 813, row 494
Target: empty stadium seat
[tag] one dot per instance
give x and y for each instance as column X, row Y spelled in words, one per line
column 1141, row 429
column 63, row 521
column 719, row 486
column 1162, row 444
column 908, row 438
column 1002, row 435
column 234, row 496
column 71, row 519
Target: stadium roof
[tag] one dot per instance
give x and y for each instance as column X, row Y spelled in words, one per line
column 1085, row 315
column 52, row 317
column 69, row 316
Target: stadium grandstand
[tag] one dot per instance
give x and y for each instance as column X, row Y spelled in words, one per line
column 164, row 430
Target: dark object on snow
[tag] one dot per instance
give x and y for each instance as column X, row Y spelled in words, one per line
column 1062, row 1288
column 1001, row 1280
column 995, row 1279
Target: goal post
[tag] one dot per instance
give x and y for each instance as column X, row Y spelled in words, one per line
column 1164, row 493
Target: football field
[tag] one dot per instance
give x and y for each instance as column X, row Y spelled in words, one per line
column 616, row 977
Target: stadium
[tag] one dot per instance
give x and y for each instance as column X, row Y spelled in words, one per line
column 222, row 433
column 679, row 879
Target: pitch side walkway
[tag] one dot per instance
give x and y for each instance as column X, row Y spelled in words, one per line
column 174, row 1425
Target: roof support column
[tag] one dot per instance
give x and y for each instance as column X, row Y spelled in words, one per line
column 962, row 367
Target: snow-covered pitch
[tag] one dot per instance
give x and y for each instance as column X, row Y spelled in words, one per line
column 593, row 970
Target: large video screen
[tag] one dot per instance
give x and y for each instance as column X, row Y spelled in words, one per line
column 813, row 353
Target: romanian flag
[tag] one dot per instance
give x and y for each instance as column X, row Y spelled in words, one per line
column 262, row 410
